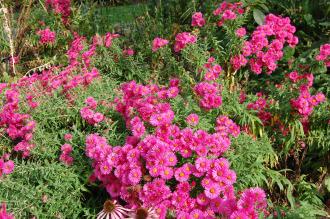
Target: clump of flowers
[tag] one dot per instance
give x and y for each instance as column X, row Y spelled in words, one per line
column 139, row 172
column 182, row 40
column 260, row 105
column 109, row 37
column 46, row 36
column 158, row 43
column 213, row 70
column 29, row 91
column 88, row 113
column 263, row 53
column 197, row 20
column 324, row 54
column 128, row 52
column 209, row 95
column 228, row 11
column 306, row 102
column 62, row 7
column 65, row 157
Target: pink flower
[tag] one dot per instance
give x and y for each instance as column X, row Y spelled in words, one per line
column 228, row 15
column 166, row 173
column 238, row 61
column 67, row 148
column 192, row 119
column 240, row 32
column 109, row 37
column 324, row 54
column 197, row 214
column 197, row 20
column 212, row 191
column 98, row 117
column 181, row 175
column 293, row 76
column 158, row 43
column 202, row 164
column 182, row 40
column 62, row 7
column 46, row 36
column 128, row 52
column 135, row 176
column 68, row 137
column 91, row 102
column 105, row 168
column 8, row 167
column 239, row 215
column 4, row 214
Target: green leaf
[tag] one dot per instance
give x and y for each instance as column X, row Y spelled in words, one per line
column 327, row 24
column 288, row 53
column 327, row 183
column 258, row 16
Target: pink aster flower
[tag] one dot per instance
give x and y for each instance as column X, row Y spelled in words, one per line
column 192, row 119
column 197, row 20
column 197, row 214
column 166, row 173
column 158, row 43
column 228, row 15
column 98, row 117
column 128, row 52
column 68, row 137
column 240, row 32
column 134, row 176
column 181, row 175
column 46, row 36
column 91, row 102
column 8, row 167
column 212, row 191
column 182, row 40
column 202, row 164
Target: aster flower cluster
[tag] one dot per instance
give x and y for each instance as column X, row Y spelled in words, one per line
column 62, row 7
column 209, row 95
column 158, row 43
column 324, row 54
column 306, row 102
column 161, row 165
column 46, row 36
column 182, row 40
column 65, row 156
column 262, row 52
column 18, row 126
column 228, row 11
column 213, row 70
column 260, row 105
column 27, row 93
column 197, row 20
column 108, row 39
column 88, row 113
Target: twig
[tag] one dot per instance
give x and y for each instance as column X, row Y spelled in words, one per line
column 44, row 66
column 7, row 29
